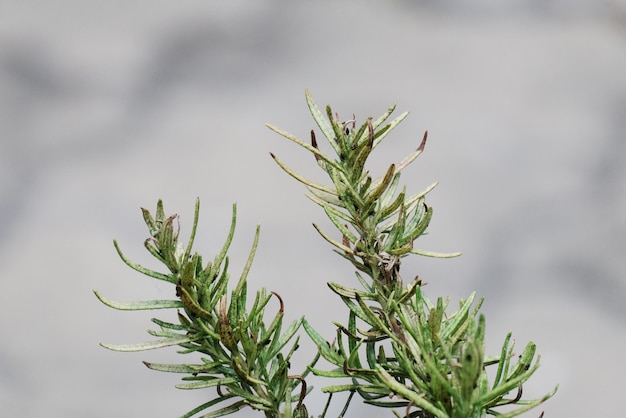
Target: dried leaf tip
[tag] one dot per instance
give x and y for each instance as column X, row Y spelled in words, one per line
column 280, row 299
column 314, row 144
column 423, row 143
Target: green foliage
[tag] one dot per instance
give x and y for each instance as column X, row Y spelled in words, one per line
column 396, row 350
column 243, row 357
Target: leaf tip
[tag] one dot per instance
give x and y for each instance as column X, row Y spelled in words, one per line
column 423, row 143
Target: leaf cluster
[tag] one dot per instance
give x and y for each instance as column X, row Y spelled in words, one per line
column 242, row 356
column 378, row 224
column 397, row 350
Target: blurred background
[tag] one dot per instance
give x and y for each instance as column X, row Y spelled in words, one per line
column 107, row 107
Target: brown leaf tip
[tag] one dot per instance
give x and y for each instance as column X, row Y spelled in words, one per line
column 423, row 144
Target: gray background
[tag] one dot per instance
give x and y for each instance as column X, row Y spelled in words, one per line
column 106, row 107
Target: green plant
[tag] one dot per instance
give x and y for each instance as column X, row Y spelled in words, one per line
column 396, row 349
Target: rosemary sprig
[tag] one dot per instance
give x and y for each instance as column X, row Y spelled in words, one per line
column 398, row 350
column 241, row 355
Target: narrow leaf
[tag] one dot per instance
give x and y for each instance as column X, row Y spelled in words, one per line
column 434, row 254
column 406, row 393
column 210, row 404
column 332, row 241
column 322, row 198
column 411, row 157
column 389, row 127
column 246, row 268
column 380, row 187
column 322, row 345
column 151, row 345
column 179, row 368
column 194, row 227
column 217, row 261
column 139, row 305
column 303, row 144
column 321, row 121
column 301, row 179
column 141, row 269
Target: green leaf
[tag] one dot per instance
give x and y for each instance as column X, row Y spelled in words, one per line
column 528, row 405
column 332, row 241
column 278, row 343
column 217, row 261
column 350, row 293
column 231, row 409
column 380, row 187
column 303, row 144
column 412, row 396
column 418, row 223
column 340, row 388
column 194, row 227
column 389, row 127
column 322, row 345
column 169, row 325
column 375, row 124
column 390, row 210
column 151, row 345
column 208, row 383
column 303, row 180
column 191, row 305
column 252, row 399
column 411, row 157
column 331, row 213
column 339, row 137
column 458, row 321
column 504, row 355
column 246, row 268
column 322, row 199
column 321, row 121
column 143, row 270
column 182, row 368
column 434, row 254
column 140, row 305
